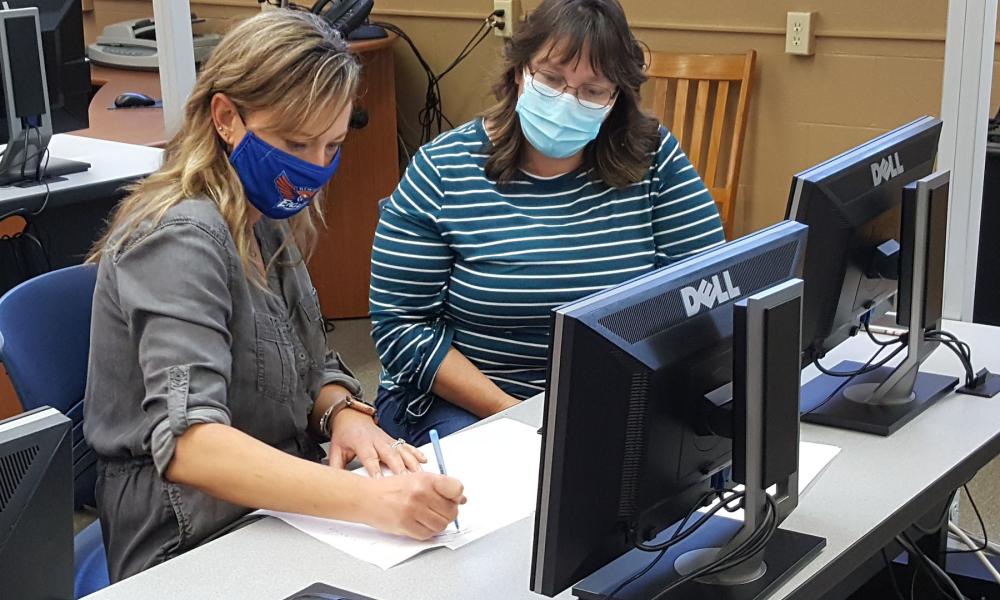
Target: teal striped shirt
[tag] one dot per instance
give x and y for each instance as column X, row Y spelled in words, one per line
column 459, row 261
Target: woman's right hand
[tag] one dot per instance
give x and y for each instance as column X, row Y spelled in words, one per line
column 417, row 505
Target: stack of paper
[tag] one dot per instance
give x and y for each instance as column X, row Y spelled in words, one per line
column 498, row 465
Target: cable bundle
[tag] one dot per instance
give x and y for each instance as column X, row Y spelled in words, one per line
column 752, row 546
column 431, row 117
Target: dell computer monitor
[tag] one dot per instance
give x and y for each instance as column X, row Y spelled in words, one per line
column 851, row 204
column 623, row 453
column 36, row 506
column 67, row 72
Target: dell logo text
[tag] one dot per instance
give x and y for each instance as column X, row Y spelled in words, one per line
column 887, row 168
column 709, row 293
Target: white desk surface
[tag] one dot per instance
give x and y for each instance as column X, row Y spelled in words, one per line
column 109, row 162
column 870, row 480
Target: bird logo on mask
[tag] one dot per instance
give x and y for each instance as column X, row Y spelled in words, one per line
column 292, row 196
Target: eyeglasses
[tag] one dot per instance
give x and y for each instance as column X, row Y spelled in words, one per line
column 552, row 84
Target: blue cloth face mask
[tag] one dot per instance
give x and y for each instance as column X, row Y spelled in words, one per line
column 557, row 127
column 278, row 184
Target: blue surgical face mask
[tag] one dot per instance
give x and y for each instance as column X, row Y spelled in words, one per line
column 557, row 127
column 278, row 184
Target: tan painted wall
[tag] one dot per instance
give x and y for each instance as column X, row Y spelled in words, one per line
column 877, row 65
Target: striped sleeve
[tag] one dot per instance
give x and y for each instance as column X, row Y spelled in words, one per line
column 685, row 218
column 409, row 280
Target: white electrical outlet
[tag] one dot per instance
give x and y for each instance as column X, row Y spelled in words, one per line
column 506, row 22
column 799, row 34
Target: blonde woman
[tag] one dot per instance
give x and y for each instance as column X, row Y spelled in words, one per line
column 210, row 386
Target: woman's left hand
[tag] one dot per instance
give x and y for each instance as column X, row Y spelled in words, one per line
column 355, row 435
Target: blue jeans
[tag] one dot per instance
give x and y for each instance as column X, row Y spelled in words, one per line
column 443, row 416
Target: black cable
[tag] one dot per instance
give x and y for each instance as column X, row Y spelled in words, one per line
column 916, row 562
column 753, row 546
column 638, row 574
column 431, row 117
column 928, row 566
column 898, row 339
column 951, row 336
column 745, row 551
column 680, row 536
column 867, row 368
column 949, row 340
column 749, row 548
column 845, row 383
column 431, row 113
column 986, row 540
column 961, row 350
column 39, row 176
column 470, row 46
column 892, row 575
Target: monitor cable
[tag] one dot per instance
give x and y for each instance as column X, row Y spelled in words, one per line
column 979, row 548
column 848, row 377
column 679, row 535
column 892, row 576
column 984, row 543
column 930, row 568
column 40, row 171
column 752, row 546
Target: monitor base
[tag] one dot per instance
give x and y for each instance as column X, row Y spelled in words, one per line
column 785, row 554
column 54, row 170
column 824, row 404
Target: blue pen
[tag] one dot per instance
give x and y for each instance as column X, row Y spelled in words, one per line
column 436, row 442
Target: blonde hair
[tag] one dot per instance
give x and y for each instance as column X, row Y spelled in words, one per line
column 292, row 63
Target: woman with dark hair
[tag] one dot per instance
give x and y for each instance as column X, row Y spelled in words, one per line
column 563, row 188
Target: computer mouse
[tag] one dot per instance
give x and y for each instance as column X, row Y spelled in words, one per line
column 133, row 99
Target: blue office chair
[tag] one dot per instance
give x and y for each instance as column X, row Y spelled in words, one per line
column 44, row 344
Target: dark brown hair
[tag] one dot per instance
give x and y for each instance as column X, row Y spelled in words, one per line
column 620, row 154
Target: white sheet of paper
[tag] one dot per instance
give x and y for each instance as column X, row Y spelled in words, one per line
column 813, row 458
column 498, row 465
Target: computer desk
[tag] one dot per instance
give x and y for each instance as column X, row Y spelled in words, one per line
column 76, row 209
column 112, row 164
column 873, row 490
column 78, row 204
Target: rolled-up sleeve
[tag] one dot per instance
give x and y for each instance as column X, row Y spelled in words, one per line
column 335, row 371
column 173, row 289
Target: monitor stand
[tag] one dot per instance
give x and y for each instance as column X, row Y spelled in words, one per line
column 53, row 171
column 764, row 426
column 857, row 406
column 784, row 554
column 884, row 400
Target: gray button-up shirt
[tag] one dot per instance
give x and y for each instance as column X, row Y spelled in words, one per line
column 181, row 336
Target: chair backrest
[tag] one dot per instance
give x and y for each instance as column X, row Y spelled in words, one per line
column 44, row 345
column 703, row 99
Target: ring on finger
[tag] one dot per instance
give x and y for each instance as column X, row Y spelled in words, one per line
column 399, row 442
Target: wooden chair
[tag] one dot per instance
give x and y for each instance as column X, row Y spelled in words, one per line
column 695, row 97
